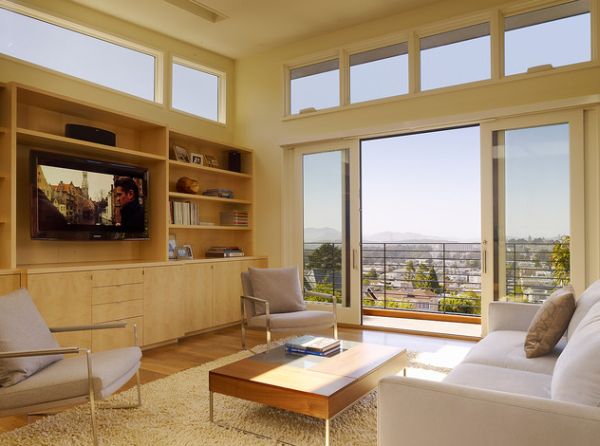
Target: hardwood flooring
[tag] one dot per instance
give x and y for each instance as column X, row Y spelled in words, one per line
column 199, row 349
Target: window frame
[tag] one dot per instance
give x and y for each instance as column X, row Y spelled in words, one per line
column 97, row 34
column 221, row 89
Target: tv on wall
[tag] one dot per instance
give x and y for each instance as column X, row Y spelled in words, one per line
column 85, row 199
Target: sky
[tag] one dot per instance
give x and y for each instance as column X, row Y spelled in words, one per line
column 97, row 182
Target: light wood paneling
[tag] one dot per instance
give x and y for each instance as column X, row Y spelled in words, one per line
column 118, row 293
column 114, row 277
column 227, row 292
column 117, row 311
column 199, row 296
column 9, row 282
column 64, row 299
column 163, row 303
column 118, row 337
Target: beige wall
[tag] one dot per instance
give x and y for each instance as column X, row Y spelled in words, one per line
column 13, row 70
column 259, row 111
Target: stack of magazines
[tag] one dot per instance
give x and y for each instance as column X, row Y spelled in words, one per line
column 224, row 251
column 313, row 345
column 218, row 192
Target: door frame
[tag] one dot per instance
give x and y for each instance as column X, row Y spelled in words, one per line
column 575, row 119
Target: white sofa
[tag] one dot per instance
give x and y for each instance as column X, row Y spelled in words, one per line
column 497, row 396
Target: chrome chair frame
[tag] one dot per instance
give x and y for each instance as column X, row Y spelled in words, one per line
column 76, row 350
column 330, row 297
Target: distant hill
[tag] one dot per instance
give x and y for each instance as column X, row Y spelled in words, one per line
column 312, row 235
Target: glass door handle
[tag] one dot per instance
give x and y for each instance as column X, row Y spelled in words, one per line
column 484, row 257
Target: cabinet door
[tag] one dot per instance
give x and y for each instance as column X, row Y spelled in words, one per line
column 64, row 299
column 9, row 282
column 118, row 337
column 163, row 303
column 199, row 296
column 227, row 292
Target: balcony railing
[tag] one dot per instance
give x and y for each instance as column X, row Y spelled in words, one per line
column 432, row 277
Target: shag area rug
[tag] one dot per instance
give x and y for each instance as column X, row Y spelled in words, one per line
column 175, row 412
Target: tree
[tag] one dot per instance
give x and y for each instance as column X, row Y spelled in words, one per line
column 561, row 261
column 421, row 280
column 327, row 259
column 433, row 283
column 467, row 302
column 409, row 273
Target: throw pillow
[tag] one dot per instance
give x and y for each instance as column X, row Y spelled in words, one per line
column 279, row 286
column 575, row 377
column 550, row 322
column 22, row 328
column 586, row 301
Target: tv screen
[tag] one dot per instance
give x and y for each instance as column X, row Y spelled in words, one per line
column 83, row 199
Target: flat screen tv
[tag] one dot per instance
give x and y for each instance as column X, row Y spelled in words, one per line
column 85, row 199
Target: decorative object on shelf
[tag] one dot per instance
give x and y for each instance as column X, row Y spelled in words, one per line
column 172, row 246
column 185, row 252
column 187, row 185
column 224, row 251
column 92, row 134
column 234, row 218
column 234, row 162
column 197, row 158
column 218, row 192
column 181, row 154
column 211, row 161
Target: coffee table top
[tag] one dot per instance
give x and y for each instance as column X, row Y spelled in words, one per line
column 323, row 376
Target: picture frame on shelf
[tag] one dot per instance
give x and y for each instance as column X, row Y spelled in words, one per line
column 185, row 252
column 172, row 246
column 197, row 158
column 181, row 154
column 211, row 161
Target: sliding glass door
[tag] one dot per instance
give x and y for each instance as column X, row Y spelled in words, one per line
column 533, row 206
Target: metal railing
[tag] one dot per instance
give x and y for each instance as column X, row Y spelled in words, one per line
column 431, row 277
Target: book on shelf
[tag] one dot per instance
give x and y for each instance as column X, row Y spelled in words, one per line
column 184, row 213
column 234, row 218
column 224, row 251
column 314, row 344
column 218, row 192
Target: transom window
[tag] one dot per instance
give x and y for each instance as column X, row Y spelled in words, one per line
column 549, row 37
column 379, row 73
column 123, row 67
column 456, row 57
column 197, row 90
column 314, row 87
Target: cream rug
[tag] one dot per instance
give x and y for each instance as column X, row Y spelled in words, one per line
column 175, row 412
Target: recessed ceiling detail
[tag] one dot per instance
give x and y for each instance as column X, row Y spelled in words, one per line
column 199, row 9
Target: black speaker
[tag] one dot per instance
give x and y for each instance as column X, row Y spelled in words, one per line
column 92, row 134
column 234, row 161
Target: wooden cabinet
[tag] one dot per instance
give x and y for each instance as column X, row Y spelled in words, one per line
column 164, row 291
column 198, row 295
column 64, row 299
column 227, row 291
column 9, row 282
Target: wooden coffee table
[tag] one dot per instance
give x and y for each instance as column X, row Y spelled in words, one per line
column 310, row 385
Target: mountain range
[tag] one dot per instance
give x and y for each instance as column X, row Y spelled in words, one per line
column 312, row 235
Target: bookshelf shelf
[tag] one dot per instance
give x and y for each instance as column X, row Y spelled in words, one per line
column 208, row 170
column 182, row 196
column 212, row 227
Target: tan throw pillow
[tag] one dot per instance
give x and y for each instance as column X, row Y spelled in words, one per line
column 550, row 322
column 279, row 286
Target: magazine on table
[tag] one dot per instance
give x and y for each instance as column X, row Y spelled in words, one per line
column 312, row 344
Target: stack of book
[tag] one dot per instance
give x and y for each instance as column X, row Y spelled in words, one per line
column 234, row 218
column 313, row 345
column 184, row 213
column 224, row 251
column 218, row 192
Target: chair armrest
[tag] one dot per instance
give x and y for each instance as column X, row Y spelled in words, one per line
column 511, row 315
column 256, row 299
column 103, row 326
column 259, row 300
column 472, row 417
column 41, row 352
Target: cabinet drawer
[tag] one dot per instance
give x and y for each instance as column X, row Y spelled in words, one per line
column 117, row 293
column 117, row 337
column 111, row 277
column 117, row 311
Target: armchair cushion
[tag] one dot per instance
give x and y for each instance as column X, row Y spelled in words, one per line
column 550, row 322
column 577, row 370
column 586, row 301
column 279, row 286
column 296, row 320
column 22, row 328
column 69, row 379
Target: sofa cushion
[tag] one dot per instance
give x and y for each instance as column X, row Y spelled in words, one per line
column 69, row 379
column 22, row 328
column 586, row 301
column 279, row 286
column 577, row 373
column 296, row 320
column 550, row 322
column 504, row 348
column 501, row 379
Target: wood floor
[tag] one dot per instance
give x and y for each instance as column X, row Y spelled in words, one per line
column 196, row 350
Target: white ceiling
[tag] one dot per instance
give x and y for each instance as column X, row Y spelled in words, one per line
column 251, row 26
